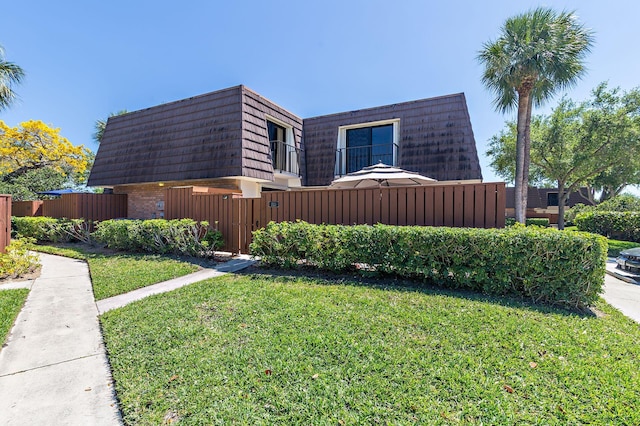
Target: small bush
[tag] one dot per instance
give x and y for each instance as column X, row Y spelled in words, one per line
column 537, row 221
column 180, row 236
column 509, row 221
column 17, row 260
column 619, row 203
column 618, row 225
column 48, row 229
column 544, row 265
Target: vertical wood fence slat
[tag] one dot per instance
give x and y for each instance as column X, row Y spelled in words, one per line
column 5, row 222
column 477, row 205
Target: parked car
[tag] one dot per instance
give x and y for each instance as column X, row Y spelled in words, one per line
column 629, row 260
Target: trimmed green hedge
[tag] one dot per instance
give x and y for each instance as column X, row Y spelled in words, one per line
column 545, row 265
column 618, row 225
column 180, row 236
column 537, row 221
column 46, row 229
column 532, row 221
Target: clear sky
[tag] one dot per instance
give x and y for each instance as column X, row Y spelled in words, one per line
column 86, row 59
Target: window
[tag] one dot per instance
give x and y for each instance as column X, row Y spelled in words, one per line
column 284, row 155
column 552, row 199
column 276, row 132
column 365, row 145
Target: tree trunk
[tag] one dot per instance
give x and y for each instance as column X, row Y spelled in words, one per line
column 562, row 202
column 522, row 155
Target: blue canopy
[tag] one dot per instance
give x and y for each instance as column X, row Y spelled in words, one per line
column 58, row 192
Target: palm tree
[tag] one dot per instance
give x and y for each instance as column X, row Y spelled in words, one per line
column 101, row 124
column 10, row 75
column 537, row 54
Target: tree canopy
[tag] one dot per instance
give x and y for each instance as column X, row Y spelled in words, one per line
column 579, row 145
column 35, row 157
column 537, row 54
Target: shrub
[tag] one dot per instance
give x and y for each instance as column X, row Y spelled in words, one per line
column 179, row 236
column 619, row 225
column 544, row 265
column 509, row 221
column 570, row 214
column 17, row 260
column 537, row 221
column 619, row 203
column 48, row 229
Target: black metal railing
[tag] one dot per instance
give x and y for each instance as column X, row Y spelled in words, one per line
column 352, row 159
column 285, row 158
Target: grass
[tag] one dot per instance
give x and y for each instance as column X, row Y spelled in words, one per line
column 11, row 301
column 264, row 350
column 616, row 246
column 114, row 274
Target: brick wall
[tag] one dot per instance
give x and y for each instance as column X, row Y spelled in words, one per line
column 143, row 201
column 147, row 201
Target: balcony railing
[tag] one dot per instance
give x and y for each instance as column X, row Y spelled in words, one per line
column 352, row 159
column 285, row 158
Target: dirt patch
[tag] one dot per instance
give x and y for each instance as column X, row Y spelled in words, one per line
column 26, row 277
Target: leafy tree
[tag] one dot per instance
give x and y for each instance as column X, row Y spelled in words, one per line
column 576, row 144
column 101, row 124
column 27, row 185
column 36, row 152
column 537, row 54
column 10, row 75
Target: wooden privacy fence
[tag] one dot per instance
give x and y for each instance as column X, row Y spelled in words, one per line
column 76, row 206
column 5, row 222
column 460, row 205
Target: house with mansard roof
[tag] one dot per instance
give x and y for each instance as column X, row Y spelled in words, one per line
column 236, row 141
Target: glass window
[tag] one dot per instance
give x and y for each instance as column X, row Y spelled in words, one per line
column 552, row 199
column 366, row 146
column 276, row 132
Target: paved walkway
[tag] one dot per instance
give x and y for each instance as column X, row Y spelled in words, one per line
column 622, row 291
column 53, row 368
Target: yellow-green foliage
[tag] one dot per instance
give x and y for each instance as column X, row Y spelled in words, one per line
column 17, row 260
column 544, row 265
column 33, row 144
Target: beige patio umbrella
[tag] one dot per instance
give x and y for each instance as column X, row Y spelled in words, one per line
column 380, row 175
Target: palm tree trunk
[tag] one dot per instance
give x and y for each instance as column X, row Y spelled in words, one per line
column 522, row 154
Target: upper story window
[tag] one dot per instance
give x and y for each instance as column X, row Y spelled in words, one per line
column 365, row 145
column 552, row 199
column 285, row 157
column 276, row 132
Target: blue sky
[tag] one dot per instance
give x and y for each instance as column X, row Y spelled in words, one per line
column 86, row 59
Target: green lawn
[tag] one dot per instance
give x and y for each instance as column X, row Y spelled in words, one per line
column 11, row 302
column 264, row 350
column 616, row 246
column 114, row 274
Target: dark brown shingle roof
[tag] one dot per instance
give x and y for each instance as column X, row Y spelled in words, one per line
column 436, row 138
column 217, row 134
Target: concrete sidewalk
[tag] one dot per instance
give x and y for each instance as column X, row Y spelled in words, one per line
column 621, row 291
column 236, row 264
column 53, row 369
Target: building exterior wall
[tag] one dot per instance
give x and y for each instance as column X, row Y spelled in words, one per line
column 146, row 201
column 256, row 148
column 435, row 139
